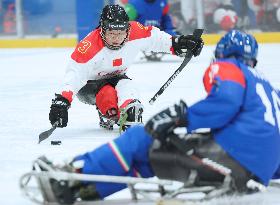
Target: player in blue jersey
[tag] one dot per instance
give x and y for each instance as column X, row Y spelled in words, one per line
column 151, row 13
column 242, row 111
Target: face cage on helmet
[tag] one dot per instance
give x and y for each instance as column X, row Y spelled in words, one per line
column 102, row 33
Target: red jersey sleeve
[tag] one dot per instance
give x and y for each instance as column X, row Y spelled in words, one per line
column 88, row 47
column 138, row 31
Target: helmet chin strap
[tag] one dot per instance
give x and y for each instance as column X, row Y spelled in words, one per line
column 252, row 62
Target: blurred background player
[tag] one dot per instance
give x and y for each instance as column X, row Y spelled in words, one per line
column 97, row 70
column 249, row 13
column 241, row 154
column 151, row 13
column 8, row 17
column 257, row 15
column 224, row 16
column 270, row 20
column 218, row 14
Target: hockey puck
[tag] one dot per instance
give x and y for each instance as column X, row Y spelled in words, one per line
column 55, row 142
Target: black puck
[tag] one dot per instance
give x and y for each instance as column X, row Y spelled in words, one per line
column 55, row 142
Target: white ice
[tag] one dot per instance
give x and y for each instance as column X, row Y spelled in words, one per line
column 30, row 77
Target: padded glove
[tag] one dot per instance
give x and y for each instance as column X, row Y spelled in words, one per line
column 59, row 111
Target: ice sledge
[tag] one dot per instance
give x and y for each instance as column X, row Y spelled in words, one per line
column 35, row 186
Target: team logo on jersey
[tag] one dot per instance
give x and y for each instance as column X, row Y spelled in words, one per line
column 117, row 62
column 84, row 46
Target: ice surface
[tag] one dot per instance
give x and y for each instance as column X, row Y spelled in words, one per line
column 30, row 77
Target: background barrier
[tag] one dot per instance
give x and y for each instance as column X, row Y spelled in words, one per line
column 52, row 23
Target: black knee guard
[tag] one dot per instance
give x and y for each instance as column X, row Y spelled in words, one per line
column 166, row 165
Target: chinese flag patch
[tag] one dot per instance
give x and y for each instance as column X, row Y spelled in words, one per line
column 117, row 62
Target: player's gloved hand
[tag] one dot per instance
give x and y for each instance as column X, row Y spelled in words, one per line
column 163, row 123
column 59, row 111
column 181, row 44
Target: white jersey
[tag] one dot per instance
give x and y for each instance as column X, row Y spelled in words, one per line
column 92, row 60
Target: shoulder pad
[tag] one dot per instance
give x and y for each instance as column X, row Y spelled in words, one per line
column 138, row 31
column 225, row 71
column 88, row 47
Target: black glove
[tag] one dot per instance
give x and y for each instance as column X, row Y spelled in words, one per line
column 162, row 124
column 59, row 111
column 181, row 44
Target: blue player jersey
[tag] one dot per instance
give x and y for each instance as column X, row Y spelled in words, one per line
column 241, row 108
column 153, row 14
column 243, row 111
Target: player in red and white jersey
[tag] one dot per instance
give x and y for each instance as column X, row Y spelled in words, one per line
column 96, row 73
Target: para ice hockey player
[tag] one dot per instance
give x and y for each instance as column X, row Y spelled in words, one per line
column 242, row 110
column 96, row 73
column 151, row 13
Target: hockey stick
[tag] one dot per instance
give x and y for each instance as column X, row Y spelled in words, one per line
column 197, row 33
column 46, row 134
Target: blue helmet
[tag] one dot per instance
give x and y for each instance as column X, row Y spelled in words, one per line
column 239, row 45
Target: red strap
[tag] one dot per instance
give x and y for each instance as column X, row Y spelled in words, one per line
column 124, row 105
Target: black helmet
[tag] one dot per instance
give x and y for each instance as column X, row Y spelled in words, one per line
column 113, row 17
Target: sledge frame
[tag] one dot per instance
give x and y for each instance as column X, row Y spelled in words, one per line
column 139, row 196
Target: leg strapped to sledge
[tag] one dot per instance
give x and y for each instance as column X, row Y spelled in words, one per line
column 130, row 115
column 60, row 186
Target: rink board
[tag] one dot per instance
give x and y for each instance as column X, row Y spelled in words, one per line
column 209, row 39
